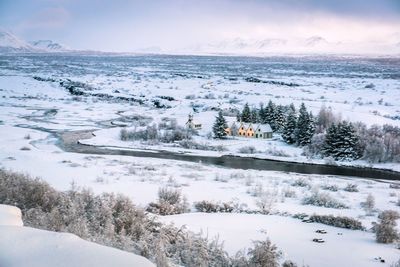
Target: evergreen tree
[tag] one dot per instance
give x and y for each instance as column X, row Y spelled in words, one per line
column 289, row 130
column 305, row 126
column 280, row 118
column 219, row 126
column 261, row 113
column 254, row 116
column 246, row 115
column 341, row 142
column 292, row 108
column 269, row 115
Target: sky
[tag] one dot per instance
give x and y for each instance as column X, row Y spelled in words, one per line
column 129, row 25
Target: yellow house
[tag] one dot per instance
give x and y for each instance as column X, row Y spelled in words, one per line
column 250, row 130
column 242, row 129
column 232, row 130
column 262, row 131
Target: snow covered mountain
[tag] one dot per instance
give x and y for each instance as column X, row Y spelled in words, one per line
column 313, row 44
column 9, row 43
column 49, row 45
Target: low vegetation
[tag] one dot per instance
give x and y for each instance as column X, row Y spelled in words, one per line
column 170, row 201
column 113, row 220
column 323, row 200
column 385, row 229
column 338, row 221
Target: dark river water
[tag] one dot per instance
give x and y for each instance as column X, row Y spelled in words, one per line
column 68, row 142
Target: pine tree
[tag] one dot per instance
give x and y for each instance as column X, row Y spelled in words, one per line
column 289, row 130
column 269, row 116
column 261, row 113
column 292, row 108
column 246, row 115
column 219, row 126
column 280, row 118
column 254, row 116
column 305, row 125
column 341, row 142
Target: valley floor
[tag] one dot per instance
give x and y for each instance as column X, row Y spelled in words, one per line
column 31, row 111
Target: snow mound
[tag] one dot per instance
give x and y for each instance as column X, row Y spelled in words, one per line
column 10, row 215
column 24, row 246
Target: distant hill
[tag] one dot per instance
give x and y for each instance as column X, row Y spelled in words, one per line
column 49, row 45
column 9, row 43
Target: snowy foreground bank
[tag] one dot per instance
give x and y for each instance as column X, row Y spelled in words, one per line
column 24, row 246
column 342, row 248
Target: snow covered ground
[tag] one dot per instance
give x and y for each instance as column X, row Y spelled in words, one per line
column 238, row 232
column 31, row 111
column 24, row 246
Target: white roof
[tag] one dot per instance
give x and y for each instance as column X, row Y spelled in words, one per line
column 265, row 128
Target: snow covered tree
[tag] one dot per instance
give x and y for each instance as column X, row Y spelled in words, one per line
column 341, row 142
column 264, row 254
column 254, row 116
column 219, row 126
column 261, row 113
column 269, row 114
column 246, row 114
column 305, row 126
column 385, row 230
column 289, row 130
column 292, row 108
column 325, row 118
column 279, row 118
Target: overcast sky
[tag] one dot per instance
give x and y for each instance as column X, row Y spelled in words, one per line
column 126, row 25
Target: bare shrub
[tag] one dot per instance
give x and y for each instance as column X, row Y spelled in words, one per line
column 276, row 152
column 166, row 132
column 289, row 263
column 330, row 187
column 289, row 193
column 170, row 201
column 213, row 207
column 247, row 150
column 108, row 219
column 191, row 97
column 265, row 201
column 27, row 137
column 351, row 188
column 264, row 254
column 190, row 144
column 385, row 229
column 338, row 221
column 301, row 182
column 369, row 204
column 323, row 200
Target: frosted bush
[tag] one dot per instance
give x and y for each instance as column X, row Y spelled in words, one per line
column 385, row 229
column 323, row 200
column 330, row 187
column 301, row 182
column 351, row 188
column 247, row 150
column 338, row 221
column 170, row 201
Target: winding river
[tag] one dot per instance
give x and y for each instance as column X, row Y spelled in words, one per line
column 69, row 142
